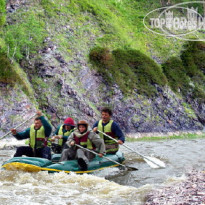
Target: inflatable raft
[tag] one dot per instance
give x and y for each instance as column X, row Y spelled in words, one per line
column 34, row 164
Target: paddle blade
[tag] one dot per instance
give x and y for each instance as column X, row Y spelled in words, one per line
column 154, row 162
column 132, row 168
column 128, row 168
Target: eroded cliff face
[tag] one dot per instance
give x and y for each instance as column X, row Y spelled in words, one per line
column 15, row 107
column 65, row 84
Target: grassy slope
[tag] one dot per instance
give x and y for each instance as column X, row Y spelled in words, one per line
column 122, row 23
column 114, row 25
column 119, row 21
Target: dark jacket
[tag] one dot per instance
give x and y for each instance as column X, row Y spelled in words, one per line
column 26, row 133
column 115, row 129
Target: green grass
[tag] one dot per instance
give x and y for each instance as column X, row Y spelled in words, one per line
column 156, row 138
column 189, row 110
column 120, row 23
column 2, row 12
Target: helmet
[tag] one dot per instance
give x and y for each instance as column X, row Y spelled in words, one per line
column 83, row 122
column 69, row 121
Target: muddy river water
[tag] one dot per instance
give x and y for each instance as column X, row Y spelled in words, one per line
column 109, row 186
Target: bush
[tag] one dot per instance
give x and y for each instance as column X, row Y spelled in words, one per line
column 193, row 57
column 147, row 72
column 102, row 57
column 103, row 61
column 129, row 69
column 187, row 73
column 24, row 37
column 175, row 73
column 7, row 74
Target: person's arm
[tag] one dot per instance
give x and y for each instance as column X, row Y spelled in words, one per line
column 46, row 126
column 22, row 135
column 65, row 138
column 118, row 132
column 95, row 127
column 98, row 142
column 70, row 139
column 56, row 131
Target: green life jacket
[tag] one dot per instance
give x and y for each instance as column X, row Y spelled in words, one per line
column 111, row 145
column 37, row 137
column 60, row 132
column 84, row 141
column 87, row 144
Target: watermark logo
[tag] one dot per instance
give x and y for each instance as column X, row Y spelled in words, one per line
column 184, row 21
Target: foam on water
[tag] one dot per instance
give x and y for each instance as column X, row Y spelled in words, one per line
column 11, row 142
column 61, row 188
column 175, row 179
column 180, row 156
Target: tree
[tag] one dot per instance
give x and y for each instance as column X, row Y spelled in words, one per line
column 24, row 37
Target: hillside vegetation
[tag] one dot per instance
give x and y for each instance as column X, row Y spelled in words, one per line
column 122, row 50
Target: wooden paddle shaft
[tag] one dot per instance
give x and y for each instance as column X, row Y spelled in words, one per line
column 130, row 148
column 103, row 156
column 121, row 144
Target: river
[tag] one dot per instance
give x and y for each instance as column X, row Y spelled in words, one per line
column 109, row 186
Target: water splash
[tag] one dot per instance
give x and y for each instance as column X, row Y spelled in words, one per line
column 61, row 188
column 11, row 142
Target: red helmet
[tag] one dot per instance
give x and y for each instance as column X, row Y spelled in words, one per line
column 69, row 121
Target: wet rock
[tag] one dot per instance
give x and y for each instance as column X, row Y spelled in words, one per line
column 191, row 191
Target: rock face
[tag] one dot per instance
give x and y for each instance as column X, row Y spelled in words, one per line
column 73, row 89
column 15, row 107
column 12, row 5
column 66, row 85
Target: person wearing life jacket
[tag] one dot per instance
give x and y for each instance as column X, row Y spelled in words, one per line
column 38, row 134
column 85, row 138
column 110, row 128
column 61, row 135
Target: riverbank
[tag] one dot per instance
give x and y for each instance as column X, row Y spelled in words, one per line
column 189, row 191
column 139, row 136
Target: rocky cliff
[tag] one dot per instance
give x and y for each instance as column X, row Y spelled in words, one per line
column 64, row 82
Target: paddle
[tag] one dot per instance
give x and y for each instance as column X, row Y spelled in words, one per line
column 17, row 126
column 151, row 161
column 126, row 167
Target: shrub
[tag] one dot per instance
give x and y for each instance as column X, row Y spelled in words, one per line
column 101, row 56
column 24, row 37
column 129, row 69
column 175, row 73
column 7, row 74
column 193, row 57
column 103, row 61
column 187, row 73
